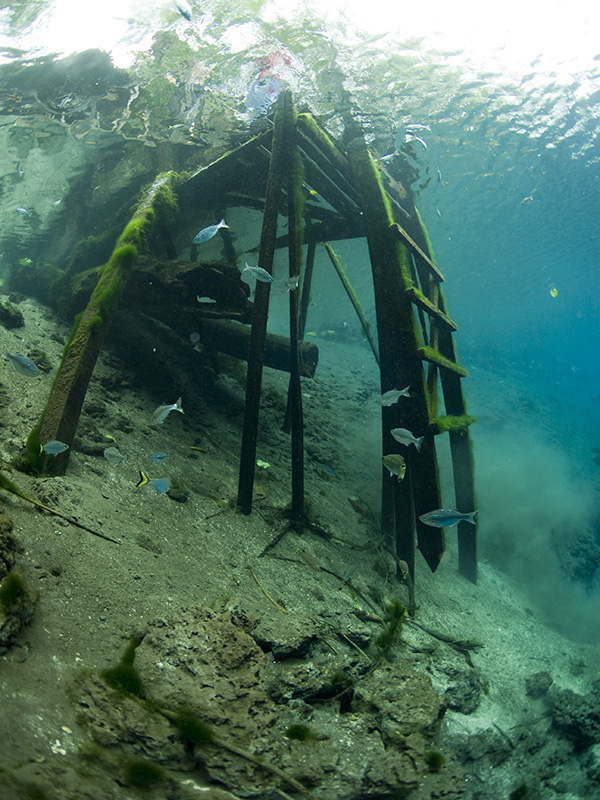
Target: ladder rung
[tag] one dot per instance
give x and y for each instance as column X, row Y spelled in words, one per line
column 414, row 247
column 431, row 355
column 451, row 422
column 419, row 299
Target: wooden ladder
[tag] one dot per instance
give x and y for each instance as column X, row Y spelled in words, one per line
column 414, row 330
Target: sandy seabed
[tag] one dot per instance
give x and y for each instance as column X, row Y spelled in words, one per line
column 201, row 560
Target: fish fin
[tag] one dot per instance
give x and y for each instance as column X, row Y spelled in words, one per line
column 223, row 224
column 143, row 479
column 178, row 406
column 472, row 517
column 419, row 443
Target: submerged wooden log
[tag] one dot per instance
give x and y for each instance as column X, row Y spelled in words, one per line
column 161, row 288
column 168, row 290
column 60, row 417
column 234, row 340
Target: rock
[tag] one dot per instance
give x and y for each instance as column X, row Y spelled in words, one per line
column 200, row 662
column 285, row 637
column 10, row 316
column 17, row 604
column 490, row 744
column 577, row 716
column 464, row 693
column 402, row 700
column 9, row 546
column 537, row 685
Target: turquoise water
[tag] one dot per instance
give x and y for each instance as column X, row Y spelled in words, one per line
column 506, row 172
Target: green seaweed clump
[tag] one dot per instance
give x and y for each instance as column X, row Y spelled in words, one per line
column 142, row 774
column 300, row 732
column 395, row 615
column 524, row 792
column 453, row 423
column 12, row 589
column 434, row 760
column 193, row 729
column 124, row 677
column 40, row 359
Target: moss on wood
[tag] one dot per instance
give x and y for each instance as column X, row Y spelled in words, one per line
column 61, row 415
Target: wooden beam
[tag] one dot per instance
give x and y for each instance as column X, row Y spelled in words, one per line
column 414, row 247
column 431, row 355
column 60, row 417
column 419, row 299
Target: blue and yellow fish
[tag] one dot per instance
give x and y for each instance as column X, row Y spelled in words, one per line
column 161, row 485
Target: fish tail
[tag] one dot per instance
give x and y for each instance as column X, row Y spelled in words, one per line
column 143, row 479
column 222, row 223
column 419, row 443
column 471, row 517
column 178, row 406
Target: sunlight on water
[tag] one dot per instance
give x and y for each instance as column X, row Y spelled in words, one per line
column 559, row 37
column 508, row 35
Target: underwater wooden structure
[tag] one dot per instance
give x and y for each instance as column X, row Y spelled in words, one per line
column 326, row 191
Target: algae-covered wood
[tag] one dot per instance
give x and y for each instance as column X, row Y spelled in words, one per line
column 400, row 365
column 259, row 324
column 60, row 417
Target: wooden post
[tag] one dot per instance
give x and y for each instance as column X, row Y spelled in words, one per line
column 306, row 284
column 294, row 174
column 400, row 364
column 463, row 466
column 260, row 313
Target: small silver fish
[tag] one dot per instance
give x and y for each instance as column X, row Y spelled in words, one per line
column 205, row 299
column 22, row 211
column 207, row 233
column 404, row 436
column 411, row 137
column 292, row 283
column 114, row 456
column 259, row 273
column 524, row 202
column 395, row 464
column 162, row 412
column 447, row 518
column 184, row 8
column 22, row 364
column 54, row 447
column 391, row 397
column 404, row 569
